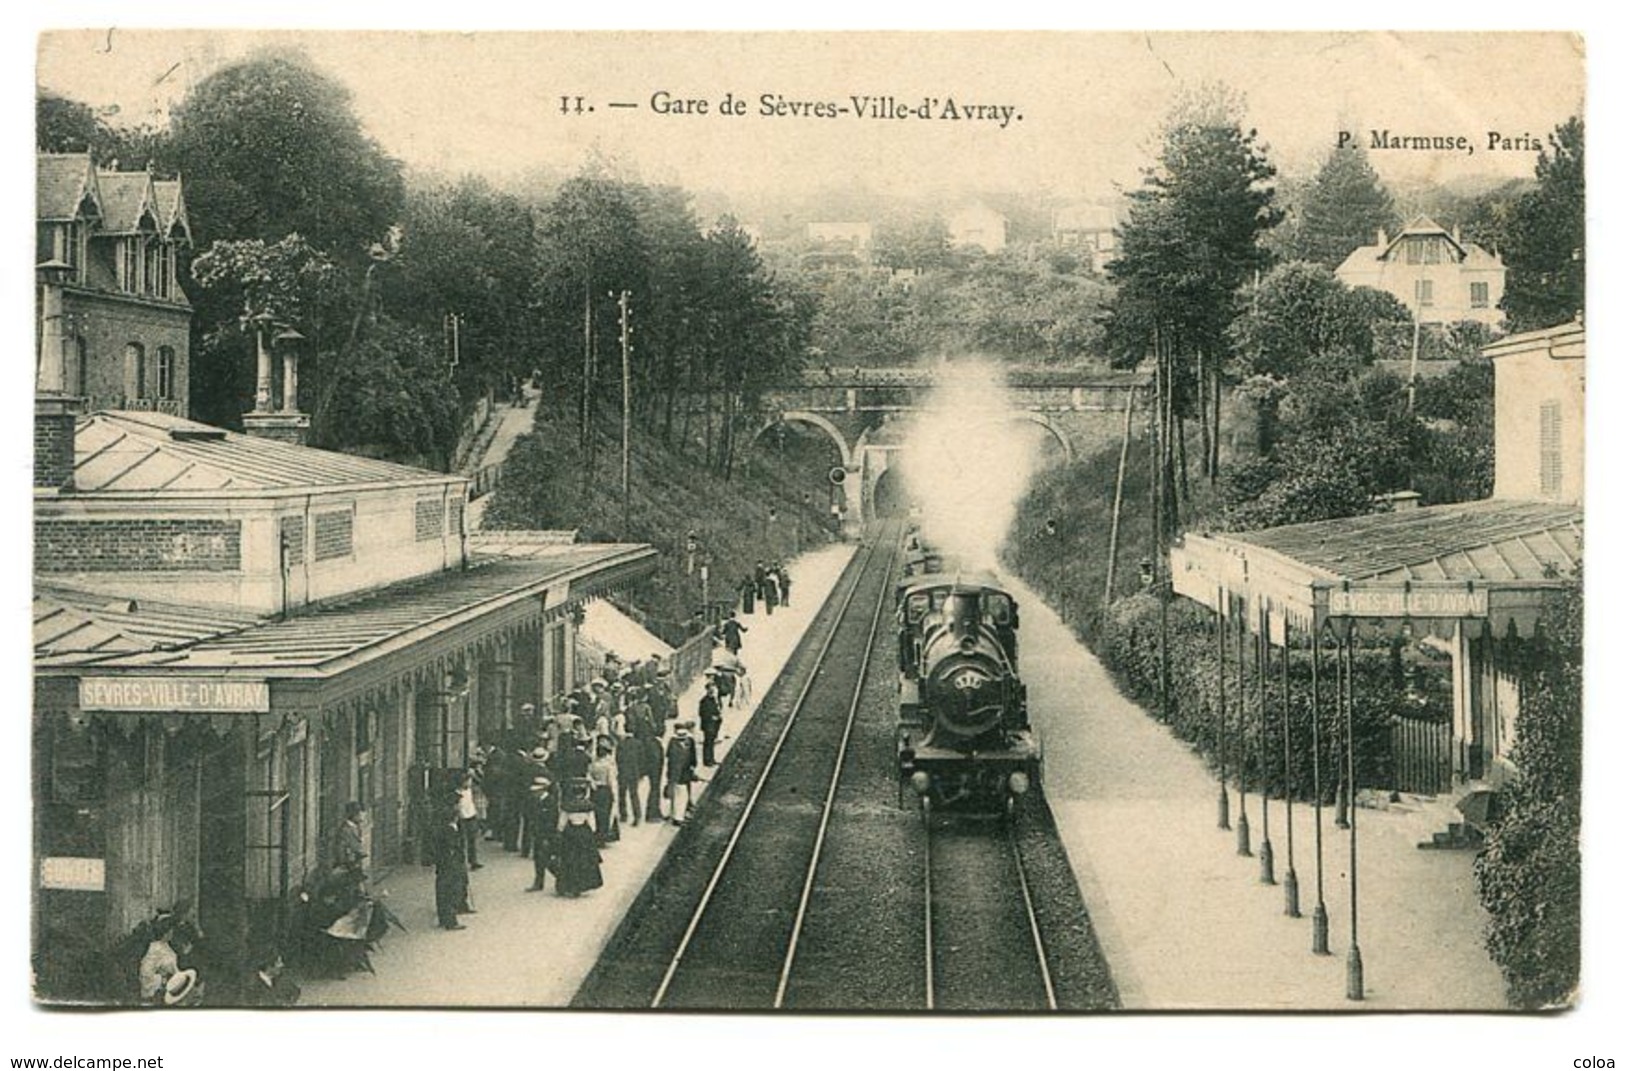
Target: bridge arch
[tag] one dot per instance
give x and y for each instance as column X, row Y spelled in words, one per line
column 1044, row 421
column 801, row 416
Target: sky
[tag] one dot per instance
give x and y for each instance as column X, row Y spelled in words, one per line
column 1090, row 108
column 1083, row 118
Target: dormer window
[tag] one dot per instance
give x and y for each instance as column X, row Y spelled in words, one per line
column 130, row 264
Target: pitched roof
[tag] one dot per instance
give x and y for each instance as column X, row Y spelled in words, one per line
column 1489, row 540
column 172, row 207
column 1421, row 227
column 127, row 197
column 62, row 183
column 146, row 453
column 78, row 627
column 331, row 638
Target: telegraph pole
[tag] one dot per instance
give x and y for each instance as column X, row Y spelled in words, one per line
column 625, row 302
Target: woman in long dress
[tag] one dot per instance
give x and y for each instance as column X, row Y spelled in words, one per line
column 578, row 858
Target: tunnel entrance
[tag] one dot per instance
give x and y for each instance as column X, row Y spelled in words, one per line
column 890, row 496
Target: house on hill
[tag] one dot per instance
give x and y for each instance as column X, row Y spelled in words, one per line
column 1436, row 275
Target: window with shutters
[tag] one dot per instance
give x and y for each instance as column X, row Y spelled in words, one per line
column 1480, row 293
column 1424, row 291
column 1551, row 449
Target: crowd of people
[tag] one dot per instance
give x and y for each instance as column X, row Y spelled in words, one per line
column 561, row 786
column 768, row 585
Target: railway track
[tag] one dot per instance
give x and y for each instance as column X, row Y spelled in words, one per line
column 738, row 945
column 984, row 949
column 797, row 884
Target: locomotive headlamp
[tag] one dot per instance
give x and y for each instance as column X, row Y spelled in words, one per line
column 1018, row 783
column 920, row 782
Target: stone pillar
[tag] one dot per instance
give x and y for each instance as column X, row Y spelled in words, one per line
column 290, row 380
column 52, row 371
column 262, row 379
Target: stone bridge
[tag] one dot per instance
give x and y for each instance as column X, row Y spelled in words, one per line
column 860, row 409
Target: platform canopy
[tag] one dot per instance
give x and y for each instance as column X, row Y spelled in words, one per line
column 1492, row 561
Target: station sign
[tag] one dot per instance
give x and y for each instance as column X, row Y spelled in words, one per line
column 1417, row 602
column 162, row 695
column 73, row 873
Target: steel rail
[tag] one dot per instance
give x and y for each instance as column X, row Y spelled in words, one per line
column 761, row 781
column 1040, row 952
column 834, row 784
column 1032, row 920
column 930, row 924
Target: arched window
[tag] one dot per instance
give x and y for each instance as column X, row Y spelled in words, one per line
column 135, row 372
column 166, row 372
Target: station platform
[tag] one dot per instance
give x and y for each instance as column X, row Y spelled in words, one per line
column 527, row 949
column 1184, row 920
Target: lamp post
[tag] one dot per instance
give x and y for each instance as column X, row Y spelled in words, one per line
column 1320, row 942
column 1244, row 841
column 1224, row 777
column 1266, row 850
column 1355, row 965
column 1290, row 885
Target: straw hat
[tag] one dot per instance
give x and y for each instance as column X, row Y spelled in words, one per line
column 181, row 985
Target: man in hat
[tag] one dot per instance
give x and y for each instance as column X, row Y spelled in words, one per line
column 542, row 814
column 710, row 721
column 680, row 772
column 733, row 633
column 450, row 869
column 468, row 818
column 635, row 719
column 527, row 724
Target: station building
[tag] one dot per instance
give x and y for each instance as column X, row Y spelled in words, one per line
column 234, row 637
column 1475, row 576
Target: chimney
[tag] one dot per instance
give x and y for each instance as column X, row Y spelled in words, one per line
column 54, row 421
column 55, row 411
column 1382, row 237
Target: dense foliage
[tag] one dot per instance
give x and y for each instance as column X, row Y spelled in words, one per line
column 1544, row 242
column 1529, row 872
column 1343, row 209
column 776, row 508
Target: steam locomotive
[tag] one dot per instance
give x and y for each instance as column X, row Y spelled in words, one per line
column 963, row 737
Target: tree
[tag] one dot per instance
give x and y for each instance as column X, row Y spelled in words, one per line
column 919, row 243
column 287, row 282
column 1528, row 875
column 1190, row 243
column 64, row 125
column 589, row 246
column 1300, row 316
column 1544, row 246
column 1343, row 208
column 271, row 146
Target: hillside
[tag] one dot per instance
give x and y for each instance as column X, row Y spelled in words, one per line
column 776, row 504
